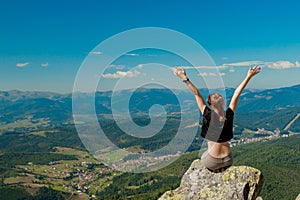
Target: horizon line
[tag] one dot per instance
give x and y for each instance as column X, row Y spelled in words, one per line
column 126, row 89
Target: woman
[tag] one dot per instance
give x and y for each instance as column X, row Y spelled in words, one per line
column 217, row 124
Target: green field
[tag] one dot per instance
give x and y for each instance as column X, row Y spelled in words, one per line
column 27, row 123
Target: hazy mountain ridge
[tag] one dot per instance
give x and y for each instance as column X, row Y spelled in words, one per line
column 279, row 98
column 58, row 107
column 16, row 95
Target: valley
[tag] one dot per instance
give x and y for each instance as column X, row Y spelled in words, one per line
column 41, row 154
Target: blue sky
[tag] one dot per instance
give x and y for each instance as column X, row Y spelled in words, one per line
column 43, row 43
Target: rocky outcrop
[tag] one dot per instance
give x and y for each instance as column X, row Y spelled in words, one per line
column 236, row 182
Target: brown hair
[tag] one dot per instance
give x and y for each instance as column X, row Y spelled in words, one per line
column 216, row 103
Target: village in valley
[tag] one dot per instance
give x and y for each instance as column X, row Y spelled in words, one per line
column 86, row 176
column 262, row 134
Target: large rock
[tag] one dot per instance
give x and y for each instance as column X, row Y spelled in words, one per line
column 236, row 182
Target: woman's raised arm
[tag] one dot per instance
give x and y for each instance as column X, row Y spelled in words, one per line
column 234, row 100
column 199, row 99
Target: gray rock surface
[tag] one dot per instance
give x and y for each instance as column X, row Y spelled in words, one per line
column 236, row 182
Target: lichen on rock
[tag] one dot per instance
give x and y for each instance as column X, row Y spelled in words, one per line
column 236, row 182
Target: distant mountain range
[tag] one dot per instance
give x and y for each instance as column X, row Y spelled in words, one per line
column 32, row 124
column 15, row 105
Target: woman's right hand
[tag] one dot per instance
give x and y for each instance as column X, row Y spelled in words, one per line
column 180, row 73
column 254, row 70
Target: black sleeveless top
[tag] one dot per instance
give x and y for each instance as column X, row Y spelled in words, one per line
column 215, row 130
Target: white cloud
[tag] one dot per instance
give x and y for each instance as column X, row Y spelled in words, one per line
column 131, row 54
column 120, row 74
column 244, row 63
column 231, row 70
column 96, row 52
column 44, row 64
column 272, row 65
column 120, row 67
column 22, row 64
column 214, row 67
column 211, row 74
column 282, row 64
column 140, row 66
column 203, row 67
column 203, row 74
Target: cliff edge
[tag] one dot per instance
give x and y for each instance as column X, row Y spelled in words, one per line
column 236, row 182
